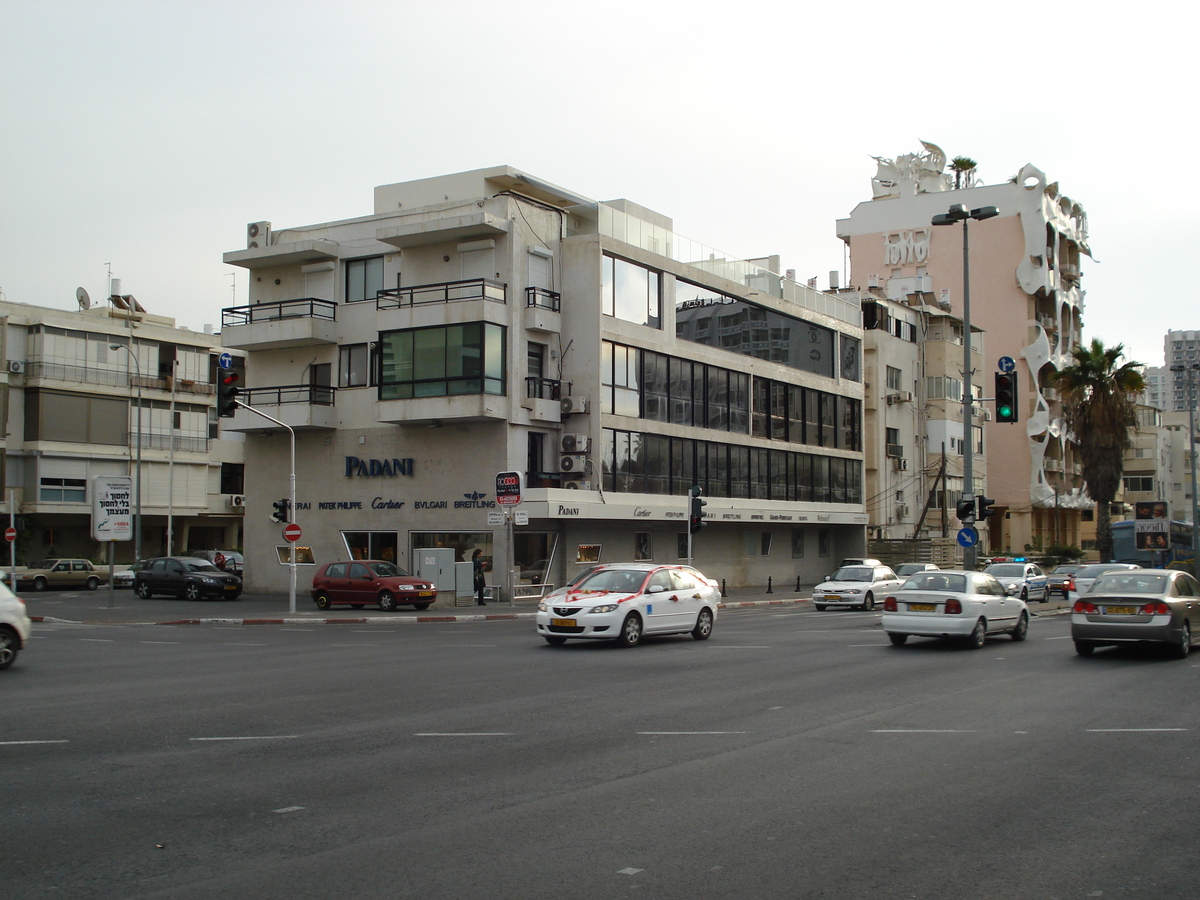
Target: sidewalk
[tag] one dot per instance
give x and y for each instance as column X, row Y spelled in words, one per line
column 272, row 609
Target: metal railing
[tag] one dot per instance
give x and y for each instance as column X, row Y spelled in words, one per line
column 311, row 394
column 543, row 299
column 441, row 292
column 305, row 308
column 190, row 443
column 543, row 388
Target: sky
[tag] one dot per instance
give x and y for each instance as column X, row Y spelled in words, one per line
column 141, row 136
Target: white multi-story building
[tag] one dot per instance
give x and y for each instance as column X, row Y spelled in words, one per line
column 1182, row 352
column 488, row 321
column 71, row 407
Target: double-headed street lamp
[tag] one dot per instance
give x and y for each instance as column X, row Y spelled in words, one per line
column 1191, row 445
column 959, row 213
column 137, row 509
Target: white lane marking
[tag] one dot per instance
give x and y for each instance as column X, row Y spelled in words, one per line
column 249, row 737
column 97, row 640
column 1065, row 637
column 866, row 645
column 288, row 809
column 689, row 732
column 23, row 743
column 924, row 731
column 158, row 642
column 1119, row 730
column 228, row 644
column 305, row 630
column 776, row 707
column 740, row 647
column 629, row 871
column 463, row 734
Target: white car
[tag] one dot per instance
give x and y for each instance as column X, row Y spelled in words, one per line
column 1029, row 580
column 625, row 602
column 954, row 604
column 1086, row 577
column 856, row 586
column 14, row 626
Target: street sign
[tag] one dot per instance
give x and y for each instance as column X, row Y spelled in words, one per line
column 520, row 517
column 112, row 508
column 495, row 517
column 292, row 532
column 968, row 537
column 1007, row 364
column 10, row 534
column 508, row 488
column 225, row 360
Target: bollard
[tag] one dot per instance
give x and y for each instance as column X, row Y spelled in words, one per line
column 797, row 584
column 769, row 591
column 723, row 594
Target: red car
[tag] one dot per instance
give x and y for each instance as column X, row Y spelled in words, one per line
column 364, row 582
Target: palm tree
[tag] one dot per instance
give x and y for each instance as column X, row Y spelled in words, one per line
column 1097, row 398
column 960, row 166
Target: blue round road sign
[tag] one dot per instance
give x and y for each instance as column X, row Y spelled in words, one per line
column 1007, row 364
column 225, row 360
column 968, row 537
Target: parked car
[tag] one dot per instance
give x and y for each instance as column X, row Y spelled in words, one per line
column 60, row 573
column 15, row 627
column 1029, row 580
column 905, row 569
column 1123, row 606
column 123, row 576
column 1062, row 579
column 1086, row 576
column 364, row 582
column 956, row 604
column 856, row 585
column 185, row 576
column 626, row 601
column 226, row 560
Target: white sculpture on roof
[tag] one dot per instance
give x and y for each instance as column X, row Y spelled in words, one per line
column 912, row 173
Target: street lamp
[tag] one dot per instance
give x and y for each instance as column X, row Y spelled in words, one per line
column 1191, row 444
column 959, row 213
column 137, row 510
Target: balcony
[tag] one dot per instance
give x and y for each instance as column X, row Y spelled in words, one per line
column 543, row 399
column 542, row 310
column 286, row 323
column 305, row 407
column 288, row 253
column 441, row 292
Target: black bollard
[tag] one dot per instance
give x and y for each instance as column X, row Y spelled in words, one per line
column 769, row 591
column 797, row 584
column 723, row 594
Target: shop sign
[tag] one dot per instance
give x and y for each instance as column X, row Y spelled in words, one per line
column 378, row 468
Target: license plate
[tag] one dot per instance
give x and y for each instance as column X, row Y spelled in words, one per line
column 424, row 593
column 921, row 607
column 231, row 587
column 563, row 623
column 833, row 596
column 1120, row 610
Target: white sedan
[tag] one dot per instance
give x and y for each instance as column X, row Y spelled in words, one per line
column 954, row 604
column 857, row 586
column 624, row 602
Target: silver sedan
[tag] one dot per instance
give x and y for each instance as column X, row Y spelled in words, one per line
column 1156, row 605
column 968, row 606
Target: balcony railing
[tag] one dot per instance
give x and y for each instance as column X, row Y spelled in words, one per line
column 542, row 388
column 441, row 292
column 542, row 298
column 311, row 394
column 306, row 308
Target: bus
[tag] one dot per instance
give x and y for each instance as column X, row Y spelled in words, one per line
column 1178, row 549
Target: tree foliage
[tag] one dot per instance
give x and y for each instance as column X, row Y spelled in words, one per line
column 1098, row 405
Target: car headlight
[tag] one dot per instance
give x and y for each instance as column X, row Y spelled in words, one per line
column 206, row 580
column 606, row 608
column 405, row 587
column 542, row 607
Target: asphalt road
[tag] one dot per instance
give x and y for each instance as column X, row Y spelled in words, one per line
column 795, row 754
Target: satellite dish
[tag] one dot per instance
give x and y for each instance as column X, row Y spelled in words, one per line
column 85, row 302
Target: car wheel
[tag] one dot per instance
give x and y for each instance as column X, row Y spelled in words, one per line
column 387, row 601
column 820, row 607
column 143, row 590
column 9, row 647
column 1084, row 648
column 631, row 631
column 93, row 583
column 704, row 625
column 897, row 639
column 1022, row 629
column 424, row 606
column 322, row 600
column 869, row 601
column 1184, row 647
column 191, row 591
column 555, row 640
column 40, row 584
column 978, row 635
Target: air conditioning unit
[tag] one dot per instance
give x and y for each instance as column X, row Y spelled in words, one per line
column 577, row 404
column 258, row 234
column 901, row 510
column 572, row 462
column 16, row 367
column 895, row 450
column 899, row 463
column 987, row 415
column 238, row 500
column 578, row 485
column 574, row 443
column 899, row 397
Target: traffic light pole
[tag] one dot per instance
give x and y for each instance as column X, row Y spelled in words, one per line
column 970, row 557
column 291, row 495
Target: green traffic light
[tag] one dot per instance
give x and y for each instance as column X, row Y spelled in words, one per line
column 1004, row 412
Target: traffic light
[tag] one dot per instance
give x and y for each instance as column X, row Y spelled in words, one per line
column 696, row 512
column 1006, row 396
column 985, row 510
column 283, row 510
column 966, row 510
column 227, row 392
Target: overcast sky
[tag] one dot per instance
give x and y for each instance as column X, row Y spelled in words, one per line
column 146, row 135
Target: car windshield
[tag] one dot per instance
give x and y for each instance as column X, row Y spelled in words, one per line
column 1130, row 583
column 388, row 570
column 936, row 581
column 854, row 573
column 625, row 581
column 200, row 565
column 1093, row 571
column 910, row 568
column 1067, row 570
column 1009, row 570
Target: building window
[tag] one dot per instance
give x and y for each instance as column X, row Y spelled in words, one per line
column 643, row 546
column 797, row 543
column 1141, row 484
column 823, row 543
column 943, row 387
column 631, row 292
column 765, row 543
column 63, row 490
column 233, row 478
column 445, row 360
column 364, row 278
column 894, row 379
column 353, row 366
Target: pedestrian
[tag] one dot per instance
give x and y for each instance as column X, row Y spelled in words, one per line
column 477, row 564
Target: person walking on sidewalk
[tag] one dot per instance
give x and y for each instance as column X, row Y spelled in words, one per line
column 477, row 563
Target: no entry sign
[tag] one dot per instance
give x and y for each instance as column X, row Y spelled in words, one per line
column 292, row 532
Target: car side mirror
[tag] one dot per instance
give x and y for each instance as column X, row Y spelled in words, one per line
column 1012, row 590
column 655, row 589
